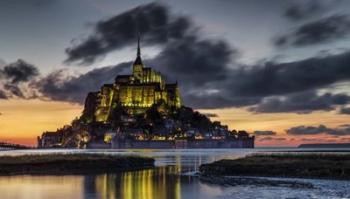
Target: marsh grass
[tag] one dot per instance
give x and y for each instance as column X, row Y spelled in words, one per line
column 46, row 158
column 301, row 165
column 71, row 163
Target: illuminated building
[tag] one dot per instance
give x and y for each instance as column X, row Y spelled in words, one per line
column 136, row 92
column 142, row 111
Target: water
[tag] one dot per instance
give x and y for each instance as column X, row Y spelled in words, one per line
column 173, row 178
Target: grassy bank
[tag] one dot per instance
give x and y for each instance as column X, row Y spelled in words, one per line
column 323, row 166
column 71, row 164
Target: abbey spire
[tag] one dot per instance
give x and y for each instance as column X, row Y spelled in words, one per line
column 138, row 46
column 138, row 60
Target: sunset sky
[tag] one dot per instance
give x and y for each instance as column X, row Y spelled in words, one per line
column 278, row 69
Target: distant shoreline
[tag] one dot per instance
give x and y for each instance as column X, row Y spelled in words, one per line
column 69, row 164
column 325, row 145
column 312, row 151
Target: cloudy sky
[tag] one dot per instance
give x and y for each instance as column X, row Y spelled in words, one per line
column 279, row 69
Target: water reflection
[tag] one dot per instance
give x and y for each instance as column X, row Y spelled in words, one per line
column 40, row 187
column 167, row 181
column 163, row 182
column 145, row 184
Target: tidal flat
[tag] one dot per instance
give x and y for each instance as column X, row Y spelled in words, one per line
column 67, row 164
column 284, row 165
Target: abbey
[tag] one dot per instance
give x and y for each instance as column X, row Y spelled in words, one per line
column 142, row 110
column 135, row 93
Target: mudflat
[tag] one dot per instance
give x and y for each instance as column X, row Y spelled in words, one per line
column 57, row 164
column 320, row 166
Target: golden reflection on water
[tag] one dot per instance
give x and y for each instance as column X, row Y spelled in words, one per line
column 158, row 183
column 162, row 182
column 40, row 187
column 144, row 184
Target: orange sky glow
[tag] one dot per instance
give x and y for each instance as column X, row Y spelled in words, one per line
column 21, row 121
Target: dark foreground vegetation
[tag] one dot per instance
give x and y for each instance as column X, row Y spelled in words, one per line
column 321, row 166
column 59, row 164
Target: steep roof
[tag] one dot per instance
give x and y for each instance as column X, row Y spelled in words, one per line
column 138, row 60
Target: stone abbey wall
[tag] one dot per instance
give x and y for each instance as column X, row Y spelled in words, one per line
column 180, row 144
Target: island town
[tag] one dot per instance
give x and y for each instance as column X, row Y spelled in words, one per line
column 142, row 110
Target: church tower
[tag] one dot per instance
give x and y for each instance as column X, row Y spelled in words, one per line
column 137, row 68
column 135, row 92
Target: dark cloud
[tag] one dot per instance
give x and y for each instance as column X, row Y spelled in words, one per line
column 307, row 130
column 285, row 78
column 317, row 32
column 62, row 87
column 210, row 114
column 208, row 82
column 198, row 63
column 271, row 138
column 19, row 71
column 264, row 133
column 311, row 140
column 153, row 21
column 345, row 110
column 2, row 95
column 13, row 75
column 14, row 90
column 195, row 61
column 344, row 126
column 218, row 100
column 297, row 12
column 201, row 66
column 304, row 102
column 205, row 68
column 321, row 129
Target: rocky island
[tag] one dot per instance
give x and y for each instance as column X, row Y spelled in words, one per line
column 142, row 110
